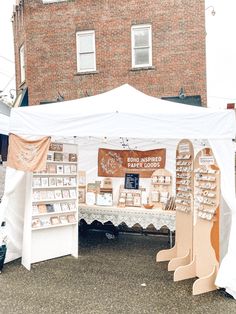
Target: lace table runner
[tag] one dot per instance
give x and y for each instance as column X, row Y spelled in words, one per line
column 128, row 215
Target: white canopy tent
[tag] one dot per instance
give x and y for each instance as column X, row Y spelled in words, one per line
column 126, row 112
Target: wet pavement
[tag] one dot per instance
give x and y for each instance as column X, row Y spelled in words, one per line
column 110, row 276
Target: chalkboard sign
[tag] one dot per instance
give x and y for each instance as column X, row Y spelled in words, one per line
column 132, row 181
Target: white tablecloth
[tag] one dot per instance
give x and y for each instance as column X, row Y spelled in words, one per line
column 128, row 215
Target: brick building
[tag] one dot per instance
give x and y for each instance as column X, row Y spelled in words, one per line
column 67, row 49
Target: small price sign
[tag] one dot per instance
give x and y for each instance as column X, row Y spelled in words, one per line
column 132, row 181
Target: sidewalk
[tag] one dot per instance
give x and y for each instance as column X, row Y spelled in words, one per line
column 110, row 276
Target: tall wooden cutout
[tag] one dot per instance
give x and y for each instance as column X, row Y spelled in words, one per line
column 206, row 225
column 181, row 253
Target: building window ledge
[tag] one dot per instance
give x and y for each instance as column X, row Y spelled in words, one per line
column 147, row 68
column 54, row 1
column 86, row 73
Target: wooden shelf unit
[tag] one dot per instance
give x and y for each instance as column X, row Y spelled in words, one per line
column 51, row 223
column 161, row 188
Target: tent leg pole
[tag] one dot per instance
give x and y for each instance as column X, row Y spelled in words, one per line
column 171, row 242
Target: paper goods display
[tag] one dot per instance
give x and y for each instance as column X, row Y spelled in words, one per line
column 181, row 254
column 158, row 120
column 55, row 188
column 197, row 247
column 161, row 189
column 53, row 206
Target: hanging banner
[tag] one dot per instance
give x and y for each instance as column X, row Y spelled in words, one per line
column 115, row 163
column 27, row 155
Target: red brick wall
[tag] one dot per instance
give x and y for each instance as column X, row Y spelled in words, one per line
column 19, row 39
column 178, row 39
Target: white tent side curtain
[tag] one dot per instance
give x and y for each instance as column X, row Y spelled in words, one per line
column 4, row 124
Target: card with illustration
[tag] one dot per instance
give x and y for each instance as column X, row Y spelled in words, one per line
column 44, row 182
column 36, row 182
column 59, row 181
column 60, row 169
column 36, row 223
column 58, row 194
column 58, row 157
column 67, row 169
column 54, row 220
column 65, row 194
column 65, row 207
column 57, row 207
column 63, row 219
column 71, row 218
column 72, row 193
column 52, row 181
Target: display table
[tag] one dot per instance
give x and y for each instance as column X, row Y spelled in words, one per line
column 129, row 215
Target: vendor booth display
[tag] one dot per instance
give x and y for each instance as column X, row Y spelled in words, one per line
column 205, row 260
column 129, row 197
column 206, row 246
column 127, row 113
column 197, row 233
column 161, row 188
column 51, row 210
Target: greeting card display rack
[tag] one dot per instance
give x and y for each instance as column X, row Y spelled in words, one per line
column 51, row 214
column 181, row 253
column 161, row 188
column 205, row 262
column 129, row 197
column 81, row 186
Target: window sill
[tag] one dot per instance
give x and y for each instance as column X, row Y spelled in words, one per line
column 143, row 69
column 86, row 73
column 53, row 1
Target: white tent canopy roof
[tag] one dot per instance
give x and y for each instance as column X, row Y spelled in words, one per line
column 123, row 112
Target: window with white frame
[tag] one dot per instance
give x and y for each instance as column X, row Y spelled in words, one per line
column 141, row 46
column 22, row 63
column 86, row 55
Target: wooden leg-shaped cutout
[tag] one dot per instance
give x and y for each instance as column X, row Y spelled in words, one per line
column 166, row 255
column 205, row 284
column 179, row 261
column 185, row 272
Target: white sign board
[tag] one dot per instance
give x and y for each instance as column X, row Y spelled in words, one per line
column 184, row 148
column 206, row 160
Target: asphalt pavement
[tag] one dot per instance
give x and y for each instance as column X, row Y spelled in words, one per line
column 117, row 275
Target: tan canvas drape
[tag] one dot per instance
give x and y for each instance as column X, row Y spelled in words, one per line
column 28, row 156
